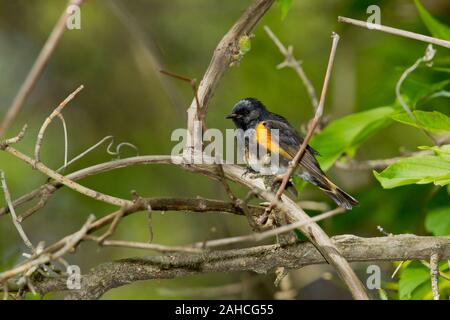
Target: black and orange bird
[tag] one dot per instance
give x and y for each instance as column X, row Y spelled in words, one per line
column 251, row 115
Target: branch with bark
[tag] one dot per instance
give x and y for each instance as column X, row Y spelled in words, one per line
column 261, row 259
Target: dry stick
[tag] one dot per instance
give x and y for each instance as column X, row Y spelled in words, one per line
column 164, row 204
column 13, row 213
column 312, row 125
column 112, row 227
column 142, row 245
column 73, row 240
column 441, row 274
column 427, row 58
column 261, row 259
column 46, row 190
column 434, row 274
column 193, row 82
column 84, row 153
column 269, row 233
column 291, row 62
column 201, row 114
column 67, row 182
column 223, row 55
column 13, row 140
column 49, row 119
column 36, row 71
column 45, row 256
column 235, row 173
column 66, row 140
column 398, row 32
column 314, row 233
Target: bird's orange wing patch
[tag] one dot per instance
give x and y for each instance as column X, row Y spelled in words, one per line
column 264, row 138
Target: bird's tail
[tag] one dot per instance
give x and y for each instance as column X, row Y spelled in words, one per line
column 341, row 198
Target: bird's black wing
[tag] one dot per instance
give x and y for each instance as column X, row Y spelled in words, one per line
column 290, row 139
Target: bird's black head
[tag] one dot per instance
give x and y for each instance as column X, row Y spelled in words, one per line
column 247, row 113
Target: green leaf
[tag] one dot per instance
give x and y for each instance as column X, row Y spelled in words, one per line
column 411, row 278
column 431, row 121
column 442, row 151
column 285, row 5
column 437, row 221
column 346, row 134
column 436, row 28
column 415, row 170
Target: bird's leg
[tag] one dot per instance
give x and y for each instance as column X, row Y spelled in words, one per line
column 248, row 170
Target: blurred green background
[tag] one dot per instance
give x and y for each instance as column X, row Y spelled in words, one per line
column 124, row 97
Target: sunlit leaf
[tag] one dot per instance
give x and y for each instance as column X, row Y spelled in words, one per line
column 437, row 221
column 431, row 121
column 436, row 28
column 411, row 278
column 346, row 134
column 415, row 170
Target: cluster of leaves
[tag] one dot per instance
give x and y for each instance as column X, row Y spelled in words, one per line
column 344, row 136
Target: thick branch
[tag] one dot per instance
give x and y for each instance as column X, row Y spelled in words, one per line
column 260, row 259
column 223, row 55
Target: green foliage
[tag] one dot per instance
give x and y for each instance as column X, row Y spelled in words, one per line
column 415, row 282
column 346, row 134
column 417, row 170
column 411, row 279
column 438, row 221
column 285, row 5
column 437, row 28
column 431, row 121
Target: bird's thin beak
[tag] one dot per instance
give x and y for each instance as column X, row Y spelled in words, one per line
column 231, row 116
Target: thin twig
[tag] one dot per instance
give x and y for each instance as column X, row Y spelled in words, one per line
column 225, row 184
column 220, row 61
column 312, row 125
column 65, row 181
column 112, row 227
column 49, row 119
column 398, row 32
column 66, row 140
column 13, row 213
column 45, row 256
column 143, row 245
column 441, row 274
column 291, row 62
column 434, row 274
column 427, row 58
column 36, row 71
column 270, row 233
column 13, row 140
column 84, row 153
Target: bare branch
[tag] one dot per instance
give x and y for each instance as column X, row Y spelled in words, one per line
column 398, row 32
column 291, row 62
column 267, row 234
column 13, row 213
column 260, row 259
column 36, row 71
column 434, row 274
column 220, row 61
column 67, row 182
column 13, row 140
column 427, row 58
column 312, row 126
column 49, row 119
